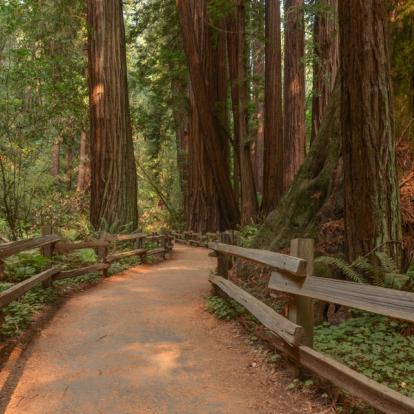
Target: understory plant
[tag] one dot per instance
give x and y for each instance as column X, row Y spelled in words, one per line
column 384, row 272
column 378, row 347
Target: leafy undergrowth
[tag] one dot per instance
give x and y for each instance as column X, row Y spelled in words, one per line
column 17, row 316
column 380, row 348
column 224, row 309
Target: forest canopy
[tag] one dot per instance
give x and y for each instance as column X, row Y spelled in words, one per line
column 233, row 116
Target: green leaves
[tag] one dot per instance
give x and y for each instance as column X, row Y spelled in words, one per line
column 384, row 274
column 374, row 346
column 223, row 309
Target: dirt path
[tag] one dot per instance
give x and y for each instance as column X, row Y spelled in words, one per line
column 141, row 342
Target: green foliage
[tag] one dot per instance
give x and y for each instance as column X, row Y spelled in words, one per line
column 224, row 309
column 247, row 235
column 385, row 273
column 374, row 346
column 18, row 314
column 42, row 101
column 24, row 265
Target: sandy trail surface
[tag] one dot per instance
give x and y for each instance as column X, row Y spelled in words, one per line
column 142, row 342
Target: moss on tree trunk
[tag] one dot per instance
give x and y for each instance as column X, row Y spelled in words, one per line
column 314, row 189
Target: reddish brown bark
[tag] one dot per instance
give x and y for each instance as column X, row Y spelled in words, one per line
column 273, row 133
column 84, row 172
column 258, row 71
column 294, row 90
column 326, row 63
column 372, row 209
column 238, row 81
column 213, row 133
column 113, row 170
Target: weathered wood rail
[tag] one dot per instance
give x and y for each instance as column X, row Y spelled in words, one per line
column 293, row 274
column 51, row 244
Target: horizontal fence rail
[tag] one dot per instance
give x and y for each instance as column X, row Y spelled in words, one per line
column 293, row 274
column 12, row 248
column 388, row 302
column 51, row 244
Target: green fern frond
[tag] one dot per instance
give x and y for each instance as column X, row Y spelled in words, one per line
column 387, row 262
column 363, row 267
column 344, row 267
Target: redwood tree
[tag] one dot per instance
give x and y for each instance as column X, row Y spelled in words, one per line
column 113, row 170
column 326, row 62
column 210, row 124
column 273, row 126
column 84, row 173
column 372, row 209
column 294, row 90
column 238, row 80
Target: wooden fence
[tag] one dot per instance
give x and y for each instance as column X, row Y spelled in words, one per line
column 52, row 244
column 293, row 274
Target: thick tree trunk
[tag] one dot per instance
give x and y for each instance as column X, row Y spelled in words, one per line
column 113, row 169
column 326, row 62
column 294, row 90
column 84, row 172
column 258, row 151
column 372, row 208
column 273, row 135
column 258, row 74
column 315, row 189
column 238, row 81
column 213, row 133
column 203, row 207
column 181, row 135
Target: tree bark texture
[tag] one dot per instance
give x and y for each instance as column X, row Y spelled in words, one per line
column 273, row 133
column 326, row 61
column 316, row 186
column 113, row 169
column 84, row 172
column 294, row 90
column 372, row 208
column 213, row 134
column 55, row 168
column 238, row 81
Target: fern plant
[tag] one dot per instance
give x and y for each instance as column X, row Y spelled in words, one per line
column 384, row 273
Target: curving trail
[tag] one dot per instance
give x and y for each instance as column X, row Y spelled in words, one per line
column 141, row 342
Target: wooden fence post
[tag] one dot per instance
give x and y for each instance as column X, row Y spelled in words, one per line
column 47, row 251
column 301, row 310
column 102, row 253
column 223, row 261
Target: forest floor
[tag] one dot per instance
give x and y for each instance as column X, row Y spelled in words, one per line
column 143, row 342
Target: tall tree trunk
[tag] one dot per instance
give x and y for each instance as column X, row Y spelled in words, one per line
column 84, row 172
column 372, row 208
column 238, row 80
column 55, row 168
column 113, row 169
column 326, row 62
column 315, row 189
column 273, row 134
column 294, row 90
column 203, row 206
column 213, row 138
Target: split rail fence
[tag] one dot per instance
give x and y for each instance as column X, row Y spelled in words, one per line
column 293, row 274
column 52, row 244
